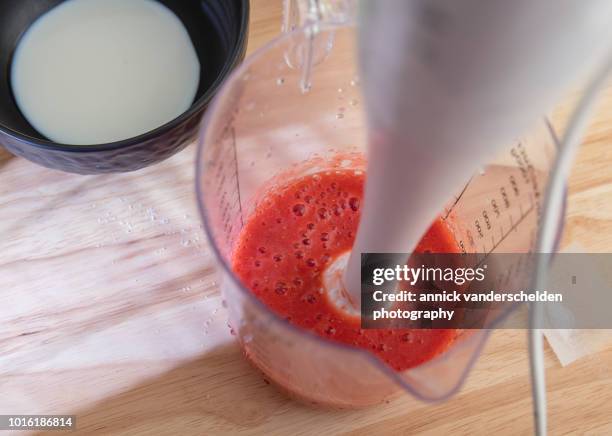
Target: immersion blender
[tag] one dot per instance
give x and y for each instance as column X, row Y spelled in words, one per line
column 481, row 72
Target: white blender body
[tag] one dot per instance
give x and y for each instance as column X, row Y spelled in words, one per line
column 446, row 84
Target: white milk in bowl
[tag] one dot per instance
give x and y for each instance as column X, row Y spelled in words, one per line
column 98, row 71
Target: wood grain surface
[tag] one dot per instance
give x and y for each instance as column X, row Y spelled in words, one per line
column 110, row 310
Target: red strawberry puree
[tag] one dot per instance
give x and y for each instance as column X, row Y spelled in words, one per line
column 298, row 230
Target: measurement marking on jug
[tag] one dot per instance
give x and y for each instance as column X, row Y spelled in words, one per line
column 452, row 206
column 478, row 228
column 503, row 238
column 514, row 227
column 233, row 133
column 514, row 185
column 487, row 221
column 504, row 195
column 495, row 208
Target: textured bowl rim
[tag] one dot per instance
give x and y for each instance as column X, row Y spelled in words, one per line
column 198, row 106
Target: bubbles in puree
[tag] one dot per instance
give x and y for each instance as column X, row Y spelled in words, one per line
column 294, row 234
column 97, row 71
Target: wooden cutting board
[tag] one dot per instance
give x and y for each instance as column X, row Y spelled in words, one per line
column 111, row 311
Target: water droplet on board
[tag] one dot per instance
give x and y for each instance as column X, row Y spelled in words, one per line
column 280, row 81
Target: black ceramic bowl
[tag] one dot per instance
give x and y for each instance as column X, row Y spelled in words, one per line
column 218, row 29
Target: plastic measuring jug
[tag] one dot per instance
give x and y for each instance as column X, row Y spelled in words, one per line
column 269, row 118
